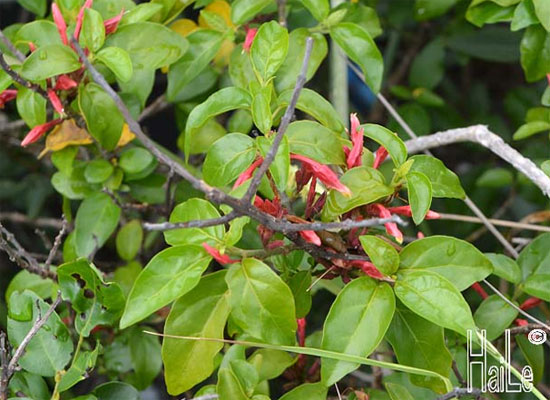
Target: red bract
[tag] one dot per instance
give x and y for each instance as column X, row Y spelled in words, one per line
column 368, row 268
column 80, row 17
column 249, row 39
column 323, row 173
column 356, row 134
column 270, row 207
column 477, row 287
column 63, row 82
column 60, row 23
column 380, row 156
column 406, row 211
column 7, row 95
column 391, row 227
column 56, row 103
column 222, row 259
column 111, row 24
column 38, row 131
column 247, row 174
column 531, row 302
column 311, row 237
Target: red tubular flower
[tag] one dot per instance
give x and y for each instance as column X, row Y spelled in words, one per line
column 38, row 131
column 477, row 287
column 7, row 95
column 531, row 302
column 311, row 237
column 357, row 133
column 56, row 103
column 420, row 235
column 32, row 46
column 222, row 259
column 247, row 174
column 270, row 207
column 80, row 17
column 381, row 155
column 368, row 268
column 63, row 82
column 60, row 23
column 391, row 227
column 521, row 322
column 323, row 173
column 249, row 39
column 111, row 24
column 406, row 211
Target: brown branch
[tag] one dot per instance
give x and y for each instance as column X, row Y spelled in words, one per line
column 19, row 79
column 459, row 392
column 158, row 105
column 56, row 244
column 19, row 218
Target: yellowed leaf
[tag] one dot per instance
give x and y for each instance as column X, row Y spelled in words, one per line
column 184, row 26
column 220, row 7
column 126, row 136
column 68, row 133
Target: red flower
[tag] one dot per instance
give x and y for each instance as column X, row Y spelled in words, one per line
column 357, row 133
column 111, row 24
column 391, row 227
column 381, row 155
column 323, row 173
column 270, row 207
column 250, row 34
column 38, row 131
column 80, row 17
column 521, row 322
column 247, row 174
column 222, row 259
column 311, row 237
column 406, row 211
column 32, row 46
column 56, row 103
column 531, row 302
column 7, row 95
column 63, row 82
column 477, row 287
column 420, row 235
column 368, row 268
column 60, row 23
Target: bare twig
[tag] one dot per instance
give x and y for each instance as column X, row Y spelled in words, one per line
column 20, row 56
column 158, row 105
column 281, row 11
column 205, row 397
column 56, row 244
column 459, row 392
column 497, row 222
column 518, row 330
column 199, row 223
column 42, row 222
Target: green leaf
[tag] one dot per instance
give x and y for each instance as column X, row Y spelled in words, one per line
column 227, row 158
column 85, row 361
column 290, row 69
column 5, row 80
column 95, row 302
column 96, row 219
column 313, row 140
column 269, row 49
column 141, row 41
column 359, row 46
column 299, row 284
column 189, row 210
column 142, row 12
column 524, row 16
column 309, row 391
column 229, row 387
column 169, row 275
column 145, row 352
column 24, row 280
column 317, row 106
column 420, row 195
column 223, row 100
column 494, row 43
column 261, row 303
column 50, row 349
column 116, row 391
column 280, row 168
column 261, row 110
column 318, row 8
column 495, row 178
column 542, row 10
column 458, row 261
column 270, row 363
column 366, row 184
column 427, row 9
column 93, row 30
column 388, row 139
column 494, row 315
column 421, row 344
column 488, row 13
column 531, row 128
column 31, row 384
column 98, row 171
column 445, row 183
column 534, row 261
column 48, row 61
column 40, row 32
column 244, row 10
column 356, row 324
column 398, row 392
column 31, row 107
column 505, row 267
column 128, row 240
column 434, row 298
column 202, row 313
column 428, row 67
column 535, row 57
column 103, row 119
column 37, row 7
column 135, row 160
column 203, row 46
column 534, row 354
column 382, row 254
column 118, row 61
column 245, row 373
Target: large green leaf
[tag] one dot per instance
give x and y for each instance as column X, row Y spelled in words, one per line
column 48, row 61
column 269, row 49
column 495, row 315
column 384, row 137
column 189, row 210
column 542, row 10
column 118, row 61
column 382, row 254
column 421, row 344
column 434, row 298
column 95, row 302
column 309, row 391
column 356, row 323
column 40, row 32
column 366, row 184
column 262, row 305
column 169, row 275
column 202, row 313
column 313, row 140
column 24, row 280
column 244, row 10
column 96, row 219
column 535, row 53
column 524, row 15
column 445, row 183
column 141, row 40
column 420, row 195
column 50, row 349
column 458, row 261
column 360, row 47
column 92, row 34
column 534, row 262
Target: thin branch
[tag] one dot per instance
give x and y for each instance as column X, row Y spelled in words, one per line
column 459, row 392
column 285, row 121
column 198, row 223
column 158, row 105
column 56, row 244
column 205, row 397
column 19, row 218
column 20, row 56
column 19, row 79
column 518, row 330
column 497, row 222
column 13, row 126
column 281, row 11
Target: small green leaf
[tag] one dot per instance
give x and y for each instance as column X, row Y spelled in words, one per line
column 85, row 361
column 420, row 195
column 318, row 8
column 542, row 10
column 444, row 182
column 531, row 128
column 534, row 355
column 145, row 352
column 118, row 61
column 135, row 160
column 37, row 7
column 398, row 392
column 142, row 12
column 169, row 275
column 313, row 140
column 495, row 178
column 309, row 391
column 128, row 240
column 244, row 10
column 24, row 280
column 229, row 387
column 299, row 284
column 535, row 267
column 280, row 167
column 93, row 30
column 534, row 57
column 494, row 315
column 427, row 9
column 270, row 363
column 382, row 254
column 48, row 61
column 31, row 107
column 388, row 139
column 116, row 391
column 505, row 267
column 269, row 49
column 98, row 171
column 40, row 32
column 261, row 110
column 524, row 16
